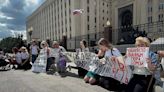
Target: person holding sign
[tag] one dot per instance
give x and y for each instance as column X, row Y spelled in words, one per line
column 110, row 52
column 143, row 80
column 83, row 48
column 40, row 65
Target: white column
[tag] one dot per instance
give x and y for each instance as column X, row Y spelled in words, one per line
column 53, row 22
column 57, row 20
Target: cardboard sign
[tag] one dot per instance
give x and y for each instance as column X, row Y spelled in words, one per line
column 137, row 56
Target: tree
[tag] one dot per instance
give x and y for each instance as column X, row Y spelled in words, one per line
column 8, row 43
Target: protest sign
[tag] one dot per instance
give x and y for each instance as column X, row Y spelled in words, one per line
column 84, row 60
column 104, row 67
column 137, row 56
column 41, row 62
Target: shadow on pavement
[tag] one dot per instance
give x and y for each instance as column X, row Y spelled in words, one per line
column 70, row 74
column 3, row 70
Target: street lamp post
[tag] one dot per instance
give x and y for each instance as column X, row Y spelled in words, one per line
column 30, row 30
column 108, row 31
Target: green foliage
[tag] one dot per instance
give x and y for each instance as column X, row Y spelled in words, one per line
column 8, row 43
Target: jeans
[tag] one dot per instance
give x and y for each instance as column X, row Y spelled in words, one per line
column 50, row 61
column 34, row 58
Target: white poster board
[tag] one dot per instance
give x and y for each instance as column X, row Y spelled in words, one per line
column 137, row 56
column 40, row 63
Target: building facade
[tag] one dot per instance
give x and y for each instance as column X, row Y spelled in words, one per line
column 142, row 15
column 55, row 19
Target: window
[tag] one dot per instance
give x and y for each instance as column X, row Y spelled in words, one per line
column 159, row 17
column 87, row 1
column 66, row 29
column 95, row 19
column 159, row 30
column 70, row 11
column 70, row 29
column 88, row 9
column 61, row 14
column 103, row 4
column 70, row 36
column 69, row 3
column 65, row 12
column 70, row 44
column 88, row 27
column 95, row 36
column 70, row 20
column 65, row 4
column 151, row 19
column 65, row 21
column 161, row 6
column 150, row 9
column 62, row 23
column 88, row 18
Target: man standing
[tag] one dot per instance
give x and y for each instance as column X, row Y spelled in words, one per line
column 34, row 49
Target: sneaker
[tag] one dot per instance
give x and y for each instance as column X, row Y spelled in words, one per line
column 57, row 74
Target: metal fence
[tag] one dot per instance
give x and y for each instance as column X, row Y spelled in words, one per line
column 124, row 37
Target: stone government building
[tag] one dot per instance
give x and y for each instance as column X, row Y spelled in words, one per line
column 54, row 19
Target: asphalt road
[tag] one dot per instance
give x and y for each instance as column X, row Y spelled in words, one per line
column 26, row 81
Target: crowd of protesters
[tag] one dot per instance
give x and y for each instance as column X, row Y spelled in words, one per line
column 143, row 80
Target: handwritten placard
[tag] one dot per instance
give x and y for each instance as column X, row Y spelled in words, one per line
column 137, row 56
column 41, row 62
column 104, row 67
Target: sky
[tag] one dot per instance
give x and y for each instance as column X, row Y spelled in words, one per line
column 13, row 14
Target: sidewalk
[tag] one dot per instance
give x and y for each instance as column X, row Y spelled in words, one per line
column 157, row 88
